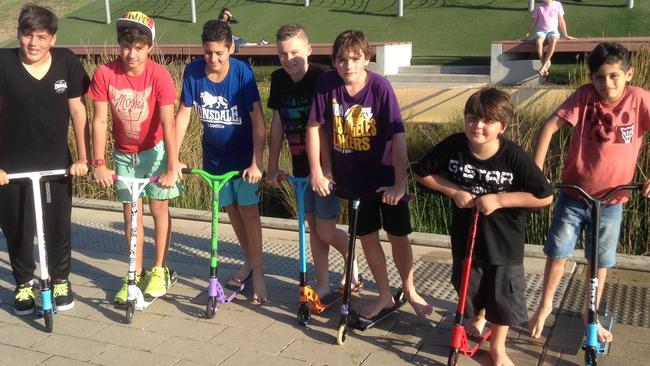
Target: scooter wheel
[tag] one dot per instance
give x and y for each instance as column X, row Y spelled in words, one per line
column 303, row 315
column 342, row 334
column 452, row 360
column 211, row 307
column 591, row 359
column 49, row 322
column 130, row 311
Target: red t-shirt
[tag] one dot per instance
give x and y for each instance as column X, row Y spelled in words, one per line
column 135, row 103
column 606, row 139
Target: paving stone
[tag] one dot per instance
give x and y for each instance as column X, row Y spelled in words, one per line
column 13, row 335
column 195, row 351
column 323, row 354
column 193, row 329
column 129, row 337
column 12, row 356
column 189, row 363
column 254, row 341
column 127, row 356
column 117, row 316
column 381, row 358
column 253, row 358
column 71, row 347
column 77, row 327
column 62, row 361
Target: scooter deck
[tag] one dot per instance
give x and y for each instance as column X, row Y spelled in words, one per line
column 474, row 343
column 607, row 321
column 325, row 302
column 362, row 324
column 232, row 287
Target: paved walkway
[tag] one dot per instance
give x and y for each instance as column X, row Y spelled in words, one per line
column 173, row 332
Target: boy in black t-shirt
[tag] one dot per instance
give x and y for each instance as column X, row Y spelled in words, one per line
column 41, row 88
column 292, row 89
column 481, row 168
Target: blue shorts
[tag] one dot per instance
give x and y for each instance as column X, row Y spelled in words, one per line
column 240, row 191
column 144, row 164
column 570, row 217
column 547, row 34
column 325, row 208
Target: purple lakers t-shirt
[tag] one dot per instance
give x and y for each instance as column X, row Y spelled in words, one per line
column 361, row 128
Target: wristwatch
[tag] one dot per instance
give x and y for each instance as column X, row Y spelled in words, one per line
column 96, row 163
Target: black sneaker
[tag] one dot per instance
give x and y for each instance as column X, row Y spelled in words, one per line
column 24, row 299
column 62, row 293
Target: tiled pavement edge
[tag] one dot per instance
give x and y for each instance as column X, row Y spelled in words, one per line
column 172, row 332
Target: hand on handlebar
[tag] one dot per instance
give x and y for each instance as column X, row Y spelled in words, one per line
column 103, row 176
column 4, row 179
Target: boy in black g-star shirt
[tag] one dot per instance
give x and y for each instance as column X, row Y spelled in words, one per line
column 480, row 168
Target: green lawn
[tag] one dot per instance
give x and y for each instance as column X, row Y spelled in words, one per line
column 439, row 29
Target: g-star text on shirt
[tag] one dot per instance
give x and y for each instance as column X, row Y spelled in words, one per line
column 214, row 112
column 470, row 172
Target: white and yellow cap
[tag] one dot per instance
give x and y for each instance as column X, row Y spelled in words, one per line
column 137, row 19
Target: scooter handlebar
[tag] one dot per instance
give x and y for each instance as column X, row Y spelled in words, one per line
column 603, row 198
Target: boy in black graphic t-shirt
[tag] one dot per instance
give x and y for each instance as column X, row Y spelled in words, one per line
column 292, row 90
column 41, row 88
column 480, row 168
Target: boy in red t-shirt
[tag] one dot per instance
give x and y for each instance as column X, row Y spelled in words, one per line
column 141, row 96
column 608, row 119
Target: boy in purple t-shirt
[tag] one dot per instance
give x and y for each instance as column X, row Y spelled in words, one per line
column 355, row 112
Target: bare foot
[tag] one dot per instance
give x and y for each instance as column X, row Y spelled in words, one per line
column 243, row 273
column 475, row 328
column 376, row 307
column 322, row 290
column 604, row 335
column 259, row 289
column 536, row 323
column 500, row 358
column 421, row 307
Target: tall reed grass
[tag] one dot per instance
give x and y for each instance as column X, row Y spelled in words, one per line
column 428, row 213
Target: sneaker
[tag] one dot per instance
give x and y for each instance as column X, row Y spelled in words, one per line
column 24, row 299
column 63, row 296
column 158, row 282
column 123, row 294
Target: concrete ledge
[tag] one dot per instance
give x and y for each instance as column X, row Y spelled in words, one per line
column 624, row 261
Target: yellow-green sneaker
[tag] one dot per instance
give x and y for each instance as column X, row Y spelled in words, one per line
column 158, row 282
column 123, row 294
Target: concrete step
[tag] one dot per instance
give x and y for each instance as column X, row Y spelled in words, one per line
column 446, row 69
column 434, row 85
column 439, row 78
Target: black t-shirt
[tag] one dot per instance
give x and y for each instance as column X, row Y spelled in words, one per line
column 500, row 235
column 292, row 101
column 34, row 114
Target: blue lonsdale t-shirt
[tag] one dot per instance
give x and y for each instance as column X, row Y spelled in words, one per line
column 224, row 110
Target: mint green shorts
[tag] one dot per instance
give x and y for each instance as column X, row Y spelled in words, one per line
column 144, row 164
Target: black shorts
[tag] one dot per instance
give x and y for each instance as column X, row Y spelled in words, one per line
column 373, row 214
column 500, row 290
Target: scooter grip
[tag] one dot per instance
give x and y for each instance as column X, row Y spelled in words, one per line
column 186, row 170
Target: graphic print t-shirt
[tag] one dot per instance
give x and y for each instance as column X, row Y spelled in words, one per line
column 224, row 110
column 606, row 139
column 34, row 114
column 362, row 128
column 501, row 235
column 292, row 101
column 134, row 102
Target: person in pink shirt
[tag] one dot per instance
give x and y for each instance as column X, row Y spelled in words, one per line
column 547, row 22
column 608, row 119
column 140, row 95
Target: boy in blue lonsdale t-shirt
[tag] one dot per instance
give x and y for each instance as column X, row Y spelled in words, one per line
column 356, row 114
column 224, row 93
